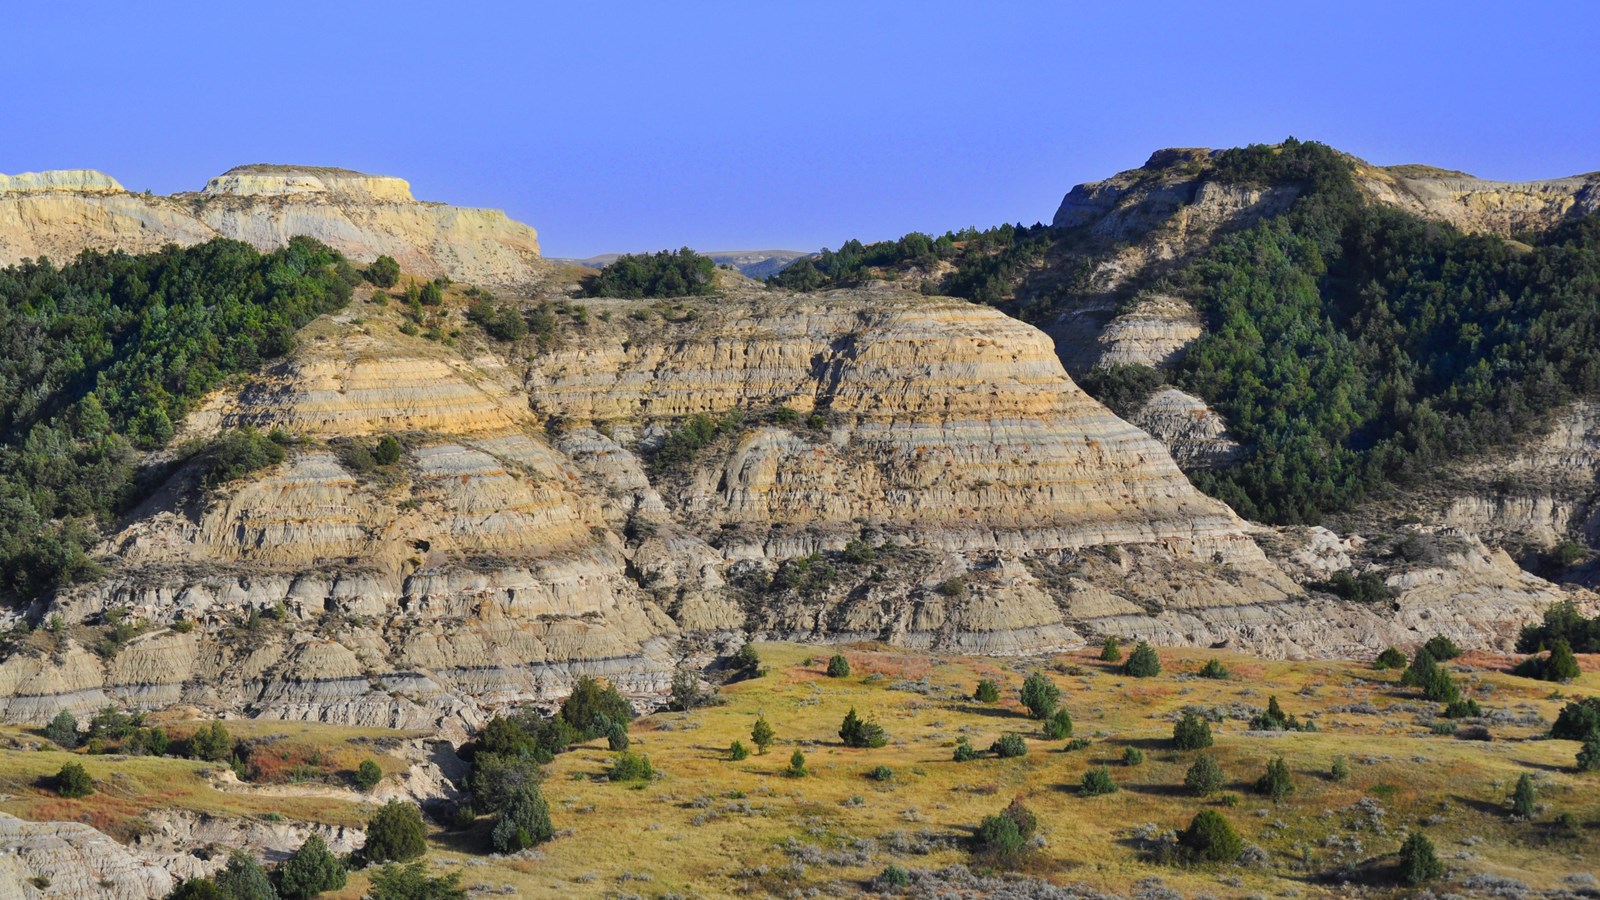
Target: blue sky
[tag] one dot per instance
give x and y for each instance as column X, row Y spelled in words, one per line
column 639, row 126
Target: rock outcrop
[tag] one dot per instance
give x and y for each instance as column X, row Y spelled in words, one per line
column 57, row 214
column 69, row 859
column 1196, row 434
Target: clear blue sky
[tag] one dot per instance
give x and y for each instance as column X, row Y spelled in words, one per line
column 753, row 125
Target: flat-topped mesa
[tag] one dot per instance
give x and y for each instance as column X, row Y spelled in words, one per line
column 87, row 181
column 265, row 180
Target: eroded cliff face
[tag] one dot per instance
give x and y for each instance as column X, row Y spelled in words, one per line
column 57, row 214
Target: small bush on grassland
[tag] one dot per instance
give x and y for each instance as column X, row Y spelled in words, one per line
column 1463, row 709
column 211, row 743
column 630, row 766
column 73, row 781
column 63, row 730
column 1210, row 837
column 524, row 821
column 1204, row 777
column 1276, row 783
column 747, row 663
column 1005, row 836
column 1422, row 665
column 1341, row 769
column 1133, row 756
column 762, row 735
column 395, row 833
column 1213, row 669
column 1577, row 719
column 1523, row 804
column 838, row 666
column 412, row 882
column 1059, row 726
column 592, row 706
column 1097, row 782
column 383, row 272
column 1589, row 753
column 965, row 752
column 988, row 692
column 1040, row 695
column 797, row 765
column 1442, row 648
column 1009, row 746
column 244, row 879
column 893, row 876
column 737, row 752
column 1191, row 733
column 858, row 733
column 1440, row 687
column 1143, row 662
column 1418, row 861
column 1390, row 658
column 881, row 773
column 368, row 775
column 1111, row 651
column 617, row 737
column 310, row 870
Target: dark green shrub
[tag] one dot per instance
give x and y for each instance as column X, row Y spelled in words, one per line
column 1442, row 648
column 387, row 452
column 1191, row 733
column 1132, row 756
column 1040, row 695
column 630, row 766
column 1276, row 783
column 838, row 666
column 1213, row 669
column 1577, row 719
column 592, row 706
column 395, row 833
column 1440, row 687
column 310, row 870
column 1059, row 726
column 244, row 879
column 1562, row 664
column 881, row 773
column 1463, row 709
column 1210, row 837
column 63, row 730
column 383, row 272
column 665, row 274
column 1111, row 651
column 737, row 752
column 617, row 737
column 211, row 743
column 412, row 882
column 237, row 452
column 1204, row 777
column 1418, row 861
column 1523, row 802
column 1422, row 666
column 197, row 889
column 893, row 876
column 747, row 663
column 73, row 781
column 1340, row 770
column 855, row 732
column 1000, row 839
column 524, row 821
column 1589, row 753
column 797, row 765
column 1009, row 746
column 965, row 752
column 368, row 774
column 1390, row 658
column 988, row 692
column 1097, row 782
column 1143, row 662
column 762, row 735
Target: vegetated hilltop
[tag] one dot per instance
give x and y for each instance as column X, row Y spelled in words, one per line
column 750, row 263
column 56, row 214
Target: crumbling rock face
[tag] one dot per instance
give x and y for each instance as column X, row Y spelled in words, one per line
column 57, row 214
column 1195, row 433
column 69, row 859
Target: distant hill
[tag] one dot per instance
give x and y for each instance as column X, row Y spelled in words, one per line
column 751, row 263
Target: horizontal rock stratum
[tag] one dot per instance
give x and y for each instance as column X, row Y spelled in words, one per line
column 57, row 214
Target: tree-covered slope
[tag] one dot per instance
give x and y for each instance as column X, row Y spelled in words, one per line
column 100, row 359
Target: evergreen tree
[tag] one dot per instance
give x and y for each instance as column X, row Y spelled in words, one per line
column 1439, row 687
column 1523, row 804
column 395, row 833
column 1059, row 726
column 244, row 879
column 1341, row 769
column 838, row 666
column 797, row 764
column 1276, row 783
column 524, row 821
column 368, row 774
column 737, row 752
column 1418, row 861
column 73, row 781
column 310, row 870
column 1008, row 746
column 1213, row 669
column 1442, row 648
column 1589, row 753
column 1111, row 651
column 63, row 730
column 196, row 889
column 1191, row 733
column 1097, row 782
column 212, row 743
column 1204, row 777
column 762, row 735
column 1040, row 695
column 858, row 733
column 1143, row 662
column 1210, row 837
column 1422, row 666
column 592, row 706
column 1562, row 665
column 412, row 882
column 1390, row 658
column 988, row 691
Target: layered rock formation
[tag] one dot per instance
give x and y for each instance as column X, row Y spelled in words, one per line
column 57, row 214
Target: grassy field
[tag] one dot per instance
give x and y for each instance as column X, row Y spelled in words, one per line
column 711, row 827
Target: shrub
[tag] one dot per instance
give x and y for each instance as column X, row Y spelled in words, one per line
column 73, row 781
column 244, row 879
column 196, row 889
column 1341, row 769
column 762, row 735
column 1009, row 746
column 1463, row 709
column 988, row 692
column 893, row 876
column 1577, row 719
column 747, row 663
column 838, row 666
column 797, row 765
column 495, row 776
column 592, row 706
column 678, row 273
column 1204, row 777
column 211, row 743
column 237, row 452
column 1589, row 753
column 368, row 775
column 1027, row 821
column 1191, row 733
column 1390, row 658
column 1276, row 783
column 737, row 752
column 1059, row 726
column 387, row 452
column 858, row 733
column 310, row 870
column 1523, row 803
column 412, row 882
column 1274, row 719
column 1210, row 837
column 1561, row 665
column 1097, row 781
column 617, row 737
column 999, row 838
column 383, row 272
column 965, row 752
column 1111, row 651
column 1143, row 662
column 63, row 730
column 953, row 588
column 1439, row 687
column 524, row 821
column 630, row 766
column 881, row 773
column 1040, row 695
column 1422, row 665
column 1418, row 861
column 686, row 690
column 1442, row 648
column 1213, row 669
column 1132, row 756
column 395, row 833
